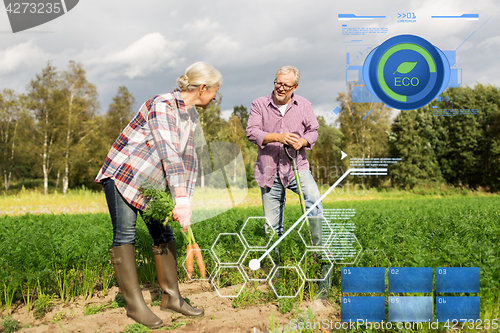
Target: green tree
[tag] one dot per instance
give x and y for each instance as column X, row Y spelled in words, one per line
column 324, row 158
column 414, row 137
column 9, row 114
column 45, row 100
column 242, row 113
column 363, row 138
column 26, row 161
column 120, row 113
column 94, row 150
column 472, row 154
column 78, row 108
column 210, row 129
column 249, row 150
column 234, row 133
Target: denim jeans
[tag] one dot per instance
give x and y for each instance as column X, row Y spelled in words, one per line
column 124, row 217
column 274, row 198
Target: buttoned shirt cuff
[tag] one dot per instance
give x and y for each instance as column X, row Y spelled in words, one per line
column 311, row 137
column 260, row 139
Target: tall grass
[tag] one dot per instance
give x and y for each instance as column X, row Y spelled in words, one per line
column 33, row 201
column 83, row 200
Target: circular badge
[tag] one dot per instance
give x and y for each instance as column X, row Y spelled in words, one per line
column 406, row 72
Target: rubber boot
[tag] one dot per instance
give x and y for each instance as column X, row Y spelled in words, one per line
column 316, row 223
column 166, row 272
column 123, row 260
column 276, row 256
column 324, row 286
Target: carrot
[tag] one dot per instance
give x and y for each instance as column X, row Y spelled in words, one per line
column 193, row 251
column 189, row 260
column 199, row 260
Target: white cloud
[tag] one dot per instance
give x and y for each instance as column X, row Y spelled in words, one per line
column 490, row 42
column 226, row 114
column 151, row 53
column 202, row 25
column 20, row 56
column 223, row 47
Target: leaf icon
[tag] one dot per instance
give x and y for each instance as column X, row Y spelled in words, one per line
column 406, row 67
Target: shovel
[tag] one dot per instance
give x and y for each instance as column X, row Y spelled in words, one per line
column 299, row 185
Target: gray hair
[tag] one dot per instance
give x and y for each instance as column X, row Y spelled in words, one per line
column 197, row 74
column 287, row 69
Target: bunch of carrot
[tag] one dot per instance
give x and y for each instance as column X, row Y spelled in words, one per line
column 160, row 207
column 193, row 251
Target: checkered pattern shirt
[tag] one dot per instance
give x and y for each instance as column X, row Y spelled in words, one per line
column 156, row 148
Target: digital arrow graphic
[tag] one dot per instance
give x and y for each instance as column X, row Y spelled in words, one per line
column 254, row 264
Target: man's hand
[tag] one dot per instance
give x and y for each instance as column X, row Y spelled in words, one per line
column 300, row 143
column 288, row 139
column 182, row 212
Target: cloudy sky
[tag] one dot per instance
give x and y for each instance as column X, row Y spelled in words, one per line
column 146, row 45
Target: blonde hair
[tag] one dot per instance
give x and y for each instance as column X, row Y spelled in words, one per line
column 197, row 74
column 287, row 69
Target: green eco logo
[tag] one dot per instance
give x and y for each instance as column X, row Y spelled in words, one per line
column 405, row 67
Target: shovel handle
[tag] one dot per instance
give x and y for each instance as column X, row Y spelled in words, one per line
column 293, row 159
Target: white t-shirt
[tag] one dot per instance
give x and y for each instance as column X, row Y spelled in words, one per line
column 282, row 109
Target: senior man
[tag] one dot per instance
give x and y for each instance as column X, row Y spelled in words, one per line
column 279, row 119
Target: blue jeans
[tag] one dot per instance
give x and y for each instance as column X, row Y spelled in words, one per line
column 124, row 217
column 274, row 198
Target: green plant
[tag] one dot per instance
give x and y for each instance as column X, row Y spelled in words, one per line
column 251, row 295
column 42, row 305
column 175, row 325
column 89, row 281
column 61, row 315
column 8, row 292
column 438, row 230
column 156, row 302
column 286, row 305
column 119, row 301
column 107, row 275
column 9, row 324
column 90, row 310
column 27, row 296
column 160, row 205
column 62, row 328
column 136, row 328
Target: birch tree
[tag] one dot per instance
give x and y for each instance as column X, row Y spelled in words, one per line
column 79, row 105
column 44, row 99
column 9, row 112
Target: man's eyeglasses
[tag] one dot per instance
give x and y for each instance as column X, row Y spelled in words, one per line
column 285, row 87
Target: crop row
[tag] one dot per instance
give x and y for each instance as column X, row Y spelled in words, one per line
column 67, row 255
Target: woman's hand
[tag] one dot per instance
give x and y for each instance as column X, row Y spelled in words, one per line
column 182, row 212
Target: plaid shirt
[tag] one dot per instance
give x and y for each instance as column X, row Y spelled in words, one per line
column 265, row 117
column 156, row 148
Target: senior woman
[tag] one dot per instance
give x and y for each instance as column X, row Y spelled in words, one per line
column 157, row 146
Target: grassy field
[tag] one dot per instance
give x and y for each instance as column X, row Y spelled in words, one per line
column 81, row 201
column 67, row 254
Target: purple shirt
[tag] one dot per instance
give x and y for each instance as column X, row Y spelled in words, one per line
column 265, row 117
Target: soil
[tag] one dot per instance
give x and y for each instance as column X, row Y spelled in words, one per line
column 220, row 316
